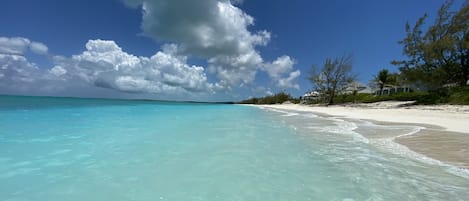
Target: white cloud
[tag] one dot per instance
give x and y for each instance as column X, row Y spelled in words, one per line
column 38, row 48
column 210, row 29
column 19, row 75
column 203, row 27
column 19, row 46
column 58, row 71
column 215, row 31
column 288, row 82
column 235, row 70
column 105, row 64
column 15, row 45
column 16, row 68
column 22, row 76
column 280, row 66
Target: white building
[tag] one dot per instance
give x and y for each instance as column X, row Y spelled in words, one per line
column 313, row 95
column 360, row 88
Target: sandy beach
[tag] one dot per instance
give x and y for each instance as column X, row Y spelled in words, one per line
column 445, row 137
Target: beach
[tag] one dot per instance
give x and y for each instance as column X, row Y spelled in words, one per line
column 444, row 135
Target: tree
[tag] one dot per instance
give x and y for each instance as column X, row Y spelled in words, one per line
column 333, row 78
column 382, row 79
column 440, row 55
column 385, row 78
column 272, row 99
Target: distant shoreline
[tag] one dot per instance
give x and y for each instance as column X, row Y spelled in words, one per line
column 118, row 99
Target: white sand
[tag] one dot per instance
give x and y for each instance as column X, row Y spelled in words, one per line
column 452, row 118
column 447, row 144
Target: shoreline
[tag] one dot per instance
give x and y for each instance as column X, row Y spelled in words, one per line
column 444, row 137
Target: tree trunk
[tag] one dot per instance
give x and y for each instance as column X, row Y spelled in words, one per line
column 466, row 76
column 331, row 97
column 381, row 89
column 465, row 70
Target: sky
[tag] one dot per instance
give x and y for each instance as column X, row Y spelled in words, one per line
column 204, row 50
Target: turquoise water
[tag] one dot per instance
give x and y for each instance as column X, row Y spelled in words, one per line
column 91, row 149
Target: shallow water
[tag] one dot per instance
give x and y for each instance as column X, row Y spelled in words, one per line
column 93, row 149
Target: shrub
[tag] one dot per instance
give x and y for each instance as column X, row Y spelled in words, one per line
column 454, row 95
column 459, row 96
column 273, row 99
column 369, row 98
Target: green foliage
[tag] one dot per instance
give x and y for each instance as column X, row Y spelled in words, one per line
column 455, row 95
column 440, row 54
column 384, row 78
column 414, row 96
column 459, row 97
column 437, row 96
column 273, row 99
column 352, row 98
column 369, row 98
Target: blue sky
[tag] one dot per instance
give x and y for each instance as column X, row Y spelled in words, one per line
column 193, row 50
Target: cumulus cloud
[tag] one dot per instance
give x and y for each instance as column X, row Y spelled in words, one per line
column 105, row 64
column 205, row 27
column 15, row 45
column 19, row 46
column 235, row 70
column 212, row 30
column 215, row 30
column 58, row 71
column 280, row 71
column 288, row 82
column 16, row 68
column 38, row 48
column 280, row 66
column 18, row 75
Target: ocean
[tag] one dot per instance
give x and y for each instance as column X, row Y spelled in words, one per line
column 59, row 149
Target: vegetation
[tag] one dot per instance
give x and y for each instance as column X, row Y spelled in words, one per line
column 438, row 56
column 273, row 99
column 382, row 79
column 370, row 98
column 385, row 78
column 459, row 96
column 455, row 95
column 437, row 64
column 333, row 78
column 437, row 67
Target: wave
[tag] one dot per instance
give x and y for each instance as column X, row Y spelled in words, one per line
column 284, row 112
column 343, row 126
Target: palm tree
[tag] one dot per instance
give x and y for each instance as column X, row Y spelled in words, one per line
column 382, row 79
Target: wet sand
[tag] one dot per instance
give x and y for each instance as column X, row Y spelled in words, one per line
column 445, row 146
column 445, row 137
column 432, row 141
